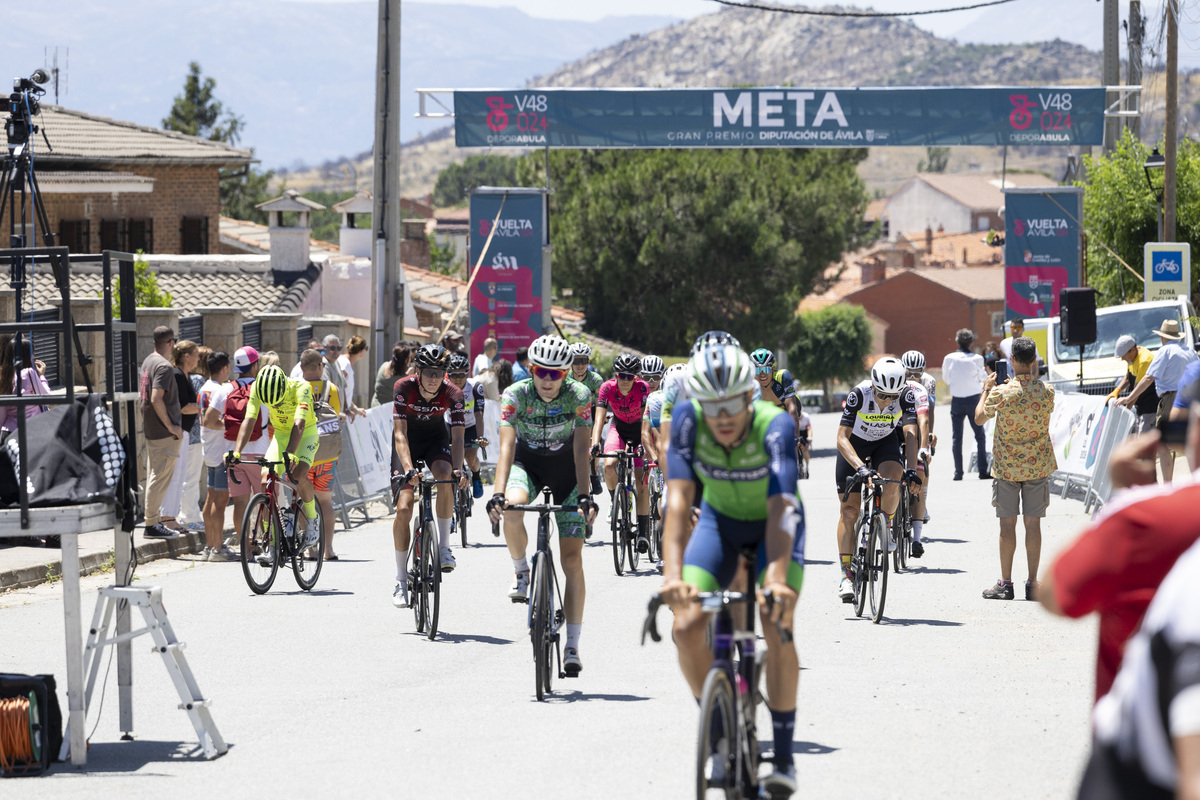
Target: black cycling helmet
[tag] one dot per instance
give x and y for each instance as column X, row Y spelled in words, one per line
column 433, row 356
column 459, row 363
column 627, row 362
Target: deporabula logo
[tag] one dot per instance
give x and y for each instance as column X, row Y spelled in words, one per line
column 1166, row 266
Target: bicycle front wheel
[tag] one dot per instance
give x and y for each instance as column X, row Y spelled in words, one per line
column 861, row 572
column 618, row 534
column 307, row 572
column 432, row 579
column 416, row 581
column 464, row 501
column 877, row 565
column 542, row 625
column 260, row 544
column 716, row 752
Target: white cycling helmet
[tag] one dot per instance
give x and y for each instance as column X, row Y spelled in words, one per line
column 713, row 338
column 581, row 350
column 888, row 376
column 720, row 371
column 550, row 352
column 652, row 366
column 913, row 360
column 674, row 370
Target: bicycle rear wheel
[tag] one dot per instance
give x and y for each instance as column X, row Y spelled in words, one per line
column 307, row 572
column 464, row 501
column 717, row 742
column 432, row 579
column 903, row 534
column 877, row 565
column 861, row 571
column 260, row 545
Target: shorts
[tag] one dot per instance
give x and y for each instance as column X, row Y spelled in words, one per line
column 532, row 473
column 1021, row 498
column 618, row 439
column 305, row 452
column 802, row 435
column 873, row 455
column 429, row 447
column 218, row 478
column 711, row 558
column 471, row 435
column 322, row 476
column 250, row 476
column 1165, row 401
column 1145, row 422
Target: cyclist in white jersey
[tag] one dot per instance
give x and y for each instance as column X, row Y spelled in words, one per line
column 914, row 372
column 804, row 439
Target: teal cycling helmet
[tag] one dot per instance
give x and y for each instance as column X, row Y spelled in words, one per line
column 762, row 357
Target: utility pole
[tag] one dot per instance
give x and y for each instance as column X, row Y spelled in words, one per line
column 387, row 312
column 1111, row 69
column 1136, row 32
column 1171, row 148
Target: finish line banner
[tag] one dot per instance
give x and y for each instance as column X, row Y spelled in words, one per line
column 779, row 117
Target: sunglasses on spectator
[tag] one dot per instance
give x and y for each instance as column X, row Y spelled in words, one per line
column 547, row 374
column 333, row 347
column 731, row 406
column 433, row 374
column 625, row 376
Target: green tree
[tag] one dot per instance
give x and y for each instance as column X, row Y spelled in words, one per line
column 455, row 182
column 197, row 112
column 936, row 159
column 1120, row 211
column 659, row 246
column 145, row 288
column 243, row 190
column 443, row 260
column 829, row 345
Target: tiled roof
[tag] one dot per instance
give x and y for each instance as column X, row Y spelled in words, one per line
column 51, row 181
column 255, row 238
column 948, row 250
column 975, row 283
column 78, row 137
column 977, row 191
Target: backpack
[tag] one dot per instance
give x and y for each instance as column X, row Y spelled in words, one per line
column 235, row 412
column 329, row 428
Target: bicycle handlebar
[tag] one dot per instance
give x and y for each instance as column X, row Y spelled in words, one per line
column 710, row 603
column 261, row 461
column 857, row 480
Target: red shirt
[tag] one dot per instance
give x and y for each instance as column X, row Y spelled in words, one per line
column 428, row 415
column 1115, row 566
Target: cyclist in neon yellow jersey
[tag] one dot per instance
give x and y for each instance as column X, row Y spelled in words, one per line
column 294, row 424
column 743, row 454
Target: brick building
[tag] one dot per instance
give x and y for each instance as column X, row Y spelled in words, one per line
column 115, row 185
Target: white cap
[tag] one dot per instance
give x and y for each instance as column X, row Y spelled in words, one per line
column 1124, row 345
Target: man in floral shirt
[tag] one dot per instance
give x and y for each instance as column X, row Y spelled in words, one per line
column 1022, row 461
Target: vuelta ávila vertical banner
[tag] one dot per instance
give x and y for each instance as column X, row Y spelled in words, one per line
column 1043, row 248
column 506, row 300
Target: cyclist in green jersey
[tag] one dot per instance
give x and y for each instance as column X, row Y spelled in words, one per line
column 581, row 359
column 544, row 426
column 743, row 454
column 294, row 439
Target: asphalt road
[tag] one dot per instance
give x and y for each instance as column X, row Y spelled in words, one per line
column 332, row 693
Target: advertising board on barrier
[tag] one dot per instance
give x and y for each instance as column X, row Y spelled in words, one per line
column 508, row 299
column 1077, row 427
column 371, row 440
column 1043, row 249
column 789, row 116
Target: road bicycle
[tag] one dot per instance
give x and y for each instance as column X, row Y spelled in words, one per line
column 869, row 563
column 425, row 557
column 464, row 500
column 801, row 463
column 546, row 616
column 727, row 753
column 623, row 518
column 273, row 532
column 653, row 479
column 902, row 529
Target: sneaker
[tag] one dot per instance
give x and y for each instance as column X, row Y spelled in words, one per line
column 400, row 596
column 891, row 541
column 158, row 531
column 643, row 544
column 477, row 488
column 781, row 783
column 195, row 527
column 926, row 519
column 918, row 549
column 448, row 562
column 223, row 554
column 203, row 554
column 519, row 590
column 1031, row 590
column 572, row 666
column 1001, row 591
column 312, row 532
column 596, row 484
column 846, row 589
column 266, row 557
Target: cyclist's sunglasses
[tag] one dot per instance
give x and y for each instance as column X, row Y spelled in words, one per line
column 625, row 376
column 457, row 374
column 762, row 370
column 731, row 406
column 886, row 399
column 433, row 374
column 547, row 374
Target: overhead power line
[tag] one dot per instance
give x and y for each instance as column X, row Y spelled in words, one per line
column 813, row 12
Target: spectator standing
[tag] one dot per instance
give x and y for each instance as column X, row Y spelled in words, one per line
column 161, row 418
column 1022, row 461
column 1145, row 405
column 964, row 374
column 521, row 368
column 194, row 479
column 484, row 360
column 268, row 359
column 213, row 447
column 453, row 341
column 991, row 354
column 504, row 374
column 32, row 379
column 321, row 474
column 184, row 357
column 297, row 371
column 1165, row 372
column 332, row 349
column 232, row 408
column 356, row 350
column 389, row 372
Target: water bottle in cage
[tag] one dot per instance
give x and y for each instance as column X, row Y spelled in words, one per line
column 286, row 498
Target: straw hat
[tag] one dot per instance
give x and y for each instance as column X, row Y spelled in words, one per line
column 1170, row 329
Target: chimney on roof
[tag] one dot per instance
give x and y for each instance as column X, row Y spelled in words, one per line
column 928, row 239
column 873, row 269
column 289, row 242
column 414, row 243
column 355, row 240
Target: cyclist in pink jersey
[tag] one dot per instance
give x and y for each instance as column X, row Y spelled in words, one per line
column 624, row 396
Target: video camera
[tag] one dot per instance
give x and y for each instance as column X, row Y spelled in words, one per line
column 21, row 106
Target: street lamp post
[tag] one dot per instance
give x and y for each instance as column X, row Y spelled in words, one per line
column 1156, row 174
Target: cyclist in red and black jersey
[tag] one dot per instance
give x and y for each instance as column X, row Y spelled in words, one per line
column 424, row 404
